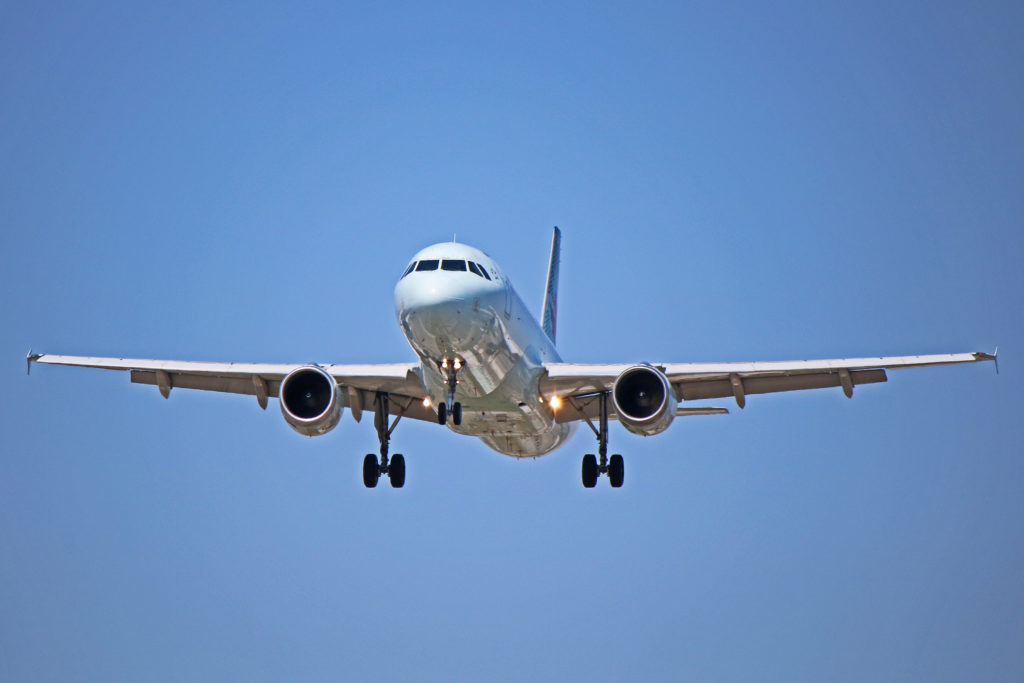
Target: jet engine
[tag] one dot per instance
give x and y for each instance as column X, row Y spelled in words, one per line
column 310, row 400
column 644, row 400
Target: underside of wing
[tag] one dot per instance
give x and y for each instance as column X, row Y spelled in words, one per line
column 588, row 407
column 359, row 384
column 695, row 381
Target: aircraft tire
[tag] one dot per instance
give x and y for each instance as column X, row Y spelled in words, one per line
column 616, row 471
column 371, row 471
column 456, row 413
column 396, row 471
column 442, row 413
column 589, row 471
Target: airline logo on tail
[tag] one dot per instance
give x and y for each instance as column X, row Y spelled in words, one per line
column 549, row 314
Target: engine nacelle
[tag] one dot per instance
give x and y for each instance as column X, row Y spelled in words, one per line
column 310, row 400
column 644, row 400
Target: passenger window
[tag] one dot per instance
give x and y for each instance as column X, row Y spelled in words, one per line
column 473, row 267
column 429, row 264
column 408, row 270
column 449, row 264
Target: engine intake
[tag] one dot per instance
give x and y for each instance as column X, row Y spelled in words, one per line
column 310, row 400
column 644, row 400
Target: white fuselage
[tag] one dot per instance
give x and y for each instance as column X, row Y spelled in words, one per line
column 480, row 321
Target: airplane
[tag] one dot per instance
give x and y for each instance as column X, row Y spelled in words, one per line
column 486, row 368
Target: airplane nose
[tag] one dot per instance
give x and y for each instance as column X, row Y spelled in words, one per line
column 439, row 310
column 426, row 290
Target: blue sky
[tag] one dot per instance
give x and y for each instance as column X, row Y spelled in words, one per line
column 734, row 182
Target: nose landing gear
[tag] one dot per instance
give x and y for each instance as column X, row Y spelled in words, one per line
column 453, row 407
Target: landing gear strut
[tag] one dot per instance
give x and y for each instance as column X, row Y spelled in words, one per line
column 453, row 407
column 395, row 469
column 592, row 467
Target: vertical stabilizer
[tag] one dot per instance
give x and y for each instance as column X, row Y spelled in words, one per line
column 549, row 313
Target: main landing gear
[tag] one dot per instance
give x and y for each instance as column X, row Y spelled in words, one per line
column 395, row 468
column 614, row 467
column 453, row 407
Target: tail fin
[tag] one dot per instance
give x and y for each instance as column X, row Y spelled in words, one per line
column 549, row 313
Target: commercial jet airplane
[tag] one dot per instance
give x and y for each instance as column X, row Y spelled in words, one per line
column 487, row 369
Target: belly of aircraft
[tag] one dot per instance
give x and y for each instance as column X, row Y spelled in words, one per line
column 497, row 381
column 523, row 431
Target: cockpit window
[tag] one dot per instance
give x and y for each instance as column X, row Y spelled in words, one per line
column 409, row 269
column 449, row 264
column 429, row 264
column 478, row 269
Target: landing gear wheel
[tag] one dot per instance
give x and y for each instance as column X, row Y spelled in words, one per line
column 371, row 470
column 589, row 471
column 614, row 466
column 616, row 470
column 442, row 414
column 396, row 471
column 456, row 413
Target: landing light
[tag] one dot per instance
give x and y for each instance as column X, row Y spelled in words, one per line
column 426, row 402
column 556, row 402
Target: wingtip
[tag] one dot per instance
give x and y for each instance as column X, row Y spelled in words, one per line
column 994, row 357
column 29, row 359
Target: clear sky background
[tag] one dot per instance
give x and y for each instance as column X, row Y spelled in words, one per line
column 734, row 181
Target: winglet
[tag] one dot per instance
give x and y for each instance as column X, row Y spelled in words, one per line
column 29, row 359
column 994, row 357
column 549, row 313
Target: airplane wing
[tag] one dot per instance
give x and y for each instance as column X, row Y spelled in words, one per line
column 359, row 383
column 693, row 381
